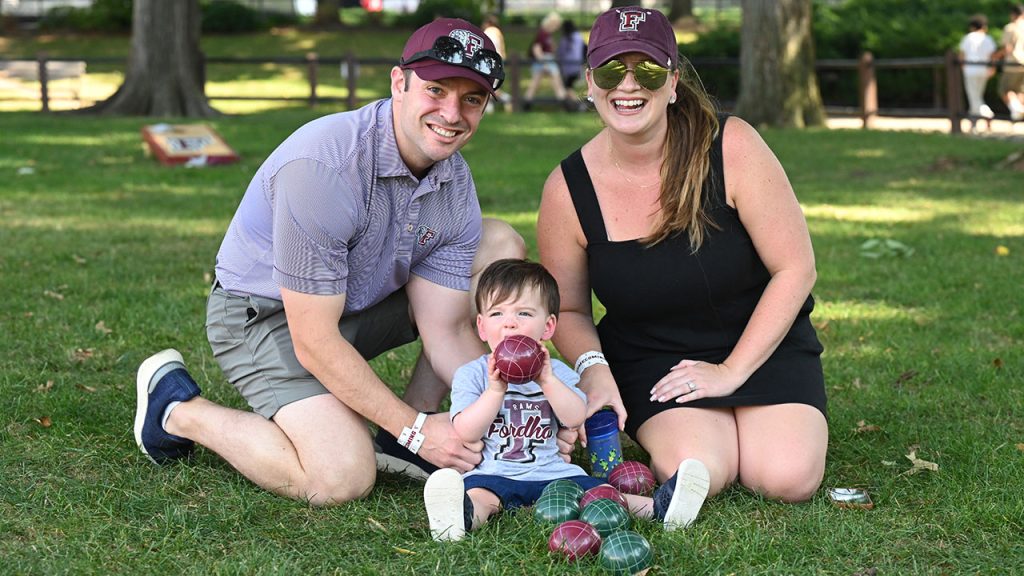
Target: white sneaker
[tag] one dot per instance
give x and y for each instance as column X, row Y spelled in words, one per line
column 692, row 484
column 985, row 112
column 443, row 497
column 1016, row 110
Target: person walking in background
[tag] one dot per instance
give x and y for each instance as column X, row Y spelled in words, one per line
column 493, row 31
column 542, row 52
column 571, row 53
column 1011, row 83
column 684, row 225
column 976, row 50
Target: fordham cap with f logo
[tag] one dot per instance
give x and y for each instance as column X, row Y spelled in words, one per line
column 632, row 29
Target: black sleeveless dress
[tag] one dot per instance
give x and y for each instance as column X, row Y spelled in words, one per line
column 665, row 304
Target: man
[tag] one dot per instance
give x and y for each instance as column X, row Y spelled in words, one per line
column 359, row 233
column 1011, row 83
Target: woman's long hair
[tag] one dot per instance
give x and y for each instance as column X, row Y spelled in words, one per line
column 692, row 129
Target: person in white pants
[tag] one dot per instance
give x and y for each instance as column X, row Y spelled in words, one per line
column 976, row 49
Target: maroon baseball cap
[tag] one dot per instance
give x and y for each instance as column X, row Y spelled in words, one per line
column 632, row 29
column 416, row 55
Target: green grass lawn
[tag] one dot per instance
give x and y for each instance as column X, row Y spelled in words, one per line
column 105, row 258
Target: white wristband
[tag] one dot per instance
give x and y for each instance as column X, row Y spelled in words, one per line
column 412, row 438
column 588, row 359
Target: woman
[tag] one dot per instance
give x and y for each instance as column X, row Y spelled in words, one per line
column 685, row 226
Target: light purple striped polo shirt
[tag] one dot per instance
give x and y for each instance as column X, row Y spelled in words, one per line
column 334, row 210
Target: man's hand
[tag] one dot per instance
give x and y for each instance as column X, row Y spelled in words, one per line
column 442, row 447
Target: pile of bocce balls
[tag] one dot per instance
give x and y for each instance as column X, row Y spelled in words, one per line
column 597, row 522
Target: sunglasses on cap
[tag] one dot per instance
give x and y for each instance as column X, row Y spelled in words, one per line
column 450, row 51
column 647, row 74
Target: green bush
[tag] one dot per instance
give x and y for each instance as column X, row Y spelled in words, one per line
column 229, row 17
column 102, row 16
column 429, row 9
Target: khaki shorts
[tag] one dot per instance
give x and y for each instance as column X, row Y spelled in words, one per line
column 251, row 342
column 1012, row 79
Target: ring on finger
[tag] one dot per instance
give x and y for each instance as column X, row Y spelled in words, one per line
column 691, row 385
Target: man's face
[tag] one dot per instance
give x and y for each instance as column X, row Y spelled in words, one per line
column 434, row 118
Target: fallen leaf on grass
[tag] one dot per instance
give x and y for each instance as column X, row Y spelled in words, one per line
column 45, row 387
column 82, row 354
column 905, row 377
column 998, row 362
column 375, row 525
column 78, row 259
column 52, row 294
column 84, row 387
column 404, row 551
column 44, row 421
column 29, row 314
column 1020, row 446
column 919, row 464
column 101, row 327
column 863, row 426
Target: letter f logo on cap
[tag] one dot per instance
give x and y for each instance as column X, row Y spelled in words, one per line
column 630, row 19
column 471, row 41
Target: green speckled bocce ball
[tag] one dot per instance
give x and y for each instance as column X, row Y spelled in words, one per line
column 605, row 515
column 565, row 487
column 626, row 552
column 555, row 508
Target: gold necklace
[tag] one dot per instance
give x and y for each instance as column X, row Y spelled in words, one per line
column 624, row 175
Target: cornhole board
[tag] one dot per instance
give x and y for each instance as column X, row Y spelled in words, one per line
column 193, row 144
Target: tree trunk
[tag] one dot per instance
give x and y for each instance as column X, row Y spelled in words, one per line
column 164, row 75
column 679, row 9
column 778, row 86
column 327, row 14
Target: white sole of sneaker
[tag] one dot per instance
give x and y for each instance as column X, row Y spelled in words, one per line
column 692, row 484
column 394, row 465
column 443, row 498
column 142, row 382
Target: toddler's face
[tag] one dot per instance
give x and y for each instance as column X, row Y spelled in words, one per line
column 525, row 315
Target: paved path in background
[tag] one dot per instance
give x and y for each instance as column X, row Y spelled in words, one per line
column 1001, row 129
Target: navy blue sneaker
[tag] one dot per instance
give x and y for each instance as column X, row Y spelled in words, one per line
column 678, row 501
column 162, row 379
column 395, row 458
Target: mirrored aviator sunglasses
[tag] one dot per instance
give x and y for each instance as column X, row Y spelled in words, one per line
column 450, row 51
column 647, row 74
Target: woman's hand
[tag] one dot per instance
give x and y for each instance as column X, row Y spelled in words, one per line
column 599, row 386
column 691, row 380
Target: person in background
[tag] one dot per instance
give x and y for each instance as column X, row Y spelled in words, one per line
column 683, row 224
column 571, row 54
column 542, row 52
column 1011, row 83
column 493, row 31
column 976, row 50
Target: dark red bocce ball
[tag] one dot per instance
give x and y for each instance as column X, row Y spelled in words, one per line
column 518, row 359
column 603, row 491
column 575, row 539
column 632, row 477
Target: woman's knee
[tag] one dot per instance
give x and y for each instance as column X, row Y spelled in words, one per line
column 785, row 480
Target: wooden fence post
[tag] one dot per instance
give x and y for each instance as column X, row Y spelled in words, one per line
column 312, row 64
column 868, row 89
column 512, row 68
column 954, row 84
column 352, row 72
column 44, row 89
